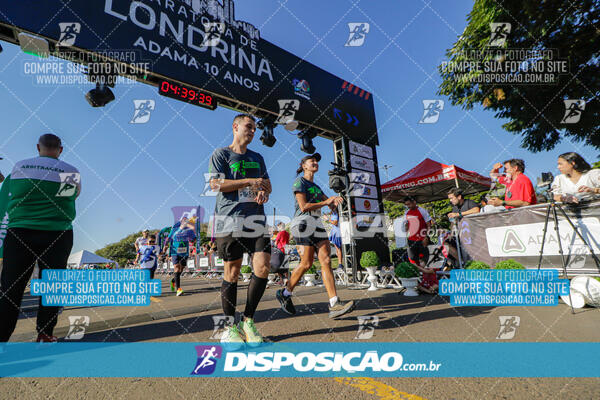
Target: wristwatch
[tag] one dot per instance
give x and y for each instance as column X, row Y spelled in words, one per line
column 503, row 202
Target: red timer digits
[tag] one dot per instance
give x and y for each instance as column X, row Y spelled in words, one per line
column 189, row 95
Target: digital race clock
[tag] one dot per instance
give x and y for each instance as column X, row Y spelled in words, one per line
column 187, row 94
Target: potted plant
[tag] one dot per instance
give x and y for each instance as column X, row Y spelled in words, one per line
column 473, row 264
column 309, row 276
column 509, row 264
column 246, row 273
column 370, row 261
column 409, row 275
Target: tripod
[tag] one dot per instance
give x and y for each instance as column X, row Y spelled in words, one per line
column 552, row 206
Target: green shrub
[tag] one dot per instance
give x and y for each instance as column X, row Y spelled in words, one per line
column 369, row 259
column 596, row 278
column 473, row 264
column 312, row 269
column 246, row 269
column 509, row 264
column 406, row 270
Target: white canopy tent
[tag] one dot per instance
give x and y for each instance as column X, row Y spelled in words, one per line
column 76, row 260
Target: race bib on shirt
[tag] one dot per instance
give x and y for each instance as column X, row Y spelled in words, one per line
column 246, row 195
column 182, row 250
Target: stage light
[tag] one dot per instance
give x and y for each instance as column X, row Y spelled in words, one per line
column 291, row 125
column 100, row 96
column 307, row 136
column 267, row 125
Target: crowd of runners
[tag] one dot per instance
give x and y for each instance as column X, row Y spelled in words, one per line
column 41, row 207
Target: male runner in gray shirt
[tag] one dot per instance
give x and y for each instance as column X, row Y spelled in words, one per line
column 240, row 177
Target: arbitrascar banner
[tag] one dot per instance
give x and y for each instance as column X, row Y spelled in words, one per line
column 517, row 234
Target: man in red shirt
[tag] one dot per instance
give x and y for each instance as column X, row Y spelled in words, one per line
column 519, row 189
column 283, row 237
column 417, row 223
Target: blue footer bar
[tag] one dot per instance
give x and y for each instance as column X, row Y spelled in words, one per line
column 300, row 360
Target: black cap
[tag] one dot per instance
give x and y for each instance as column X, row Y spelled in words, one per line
column 316, row 156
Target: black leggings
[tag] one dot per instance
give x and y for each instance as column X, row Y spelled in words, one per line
column 22, row 248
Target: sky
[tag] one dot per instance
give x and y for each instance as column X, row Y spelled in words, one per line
column 132, row 174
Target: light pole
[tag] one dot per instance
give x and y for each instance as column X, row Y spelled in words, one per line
column 387, row 174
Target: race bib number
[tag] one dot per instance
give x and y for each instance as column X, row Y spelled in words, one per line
column 246, row 195
column 182, row 250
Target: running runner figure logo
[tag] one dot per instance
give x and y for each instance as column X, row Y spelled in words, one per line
column 431, row 111
column 221, row 322
column 287, row 110
column 212, row 33
column 500, row 31
column 68, row 33
column 508, row 327
column 358, row 33
column 68, row 184
column 573, row 111
column 207, row 359
column 366, row 326
column 208, row 191
column 142, row 110
column 77, row 327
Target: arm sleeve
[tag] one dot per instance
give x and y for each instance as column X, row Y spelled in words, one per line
column 298, row 187
column 594, row 178
column 263, row 168
column 217, row 163
column 425, row 214
column 556, row 187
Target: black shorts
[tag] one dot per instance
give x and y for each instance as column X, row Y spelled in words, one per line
column 306, row 235
column 231, row 248
column 416, row 251
column 179, row 259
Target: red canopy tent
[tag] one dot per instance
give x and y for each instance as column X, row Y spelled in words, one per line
column 431, row 181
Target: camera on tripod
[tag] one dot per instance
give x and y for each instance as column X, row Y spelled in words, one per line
column 545, row 180
column 338, row 179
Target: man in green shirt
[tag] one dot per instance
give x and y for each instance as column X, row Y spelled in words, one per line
column 40, row 211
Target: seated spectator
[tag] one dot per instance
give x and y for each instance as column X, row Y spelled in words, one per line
column 460, row 205
column 519, row 189
column 429, row 280
column 577, row 179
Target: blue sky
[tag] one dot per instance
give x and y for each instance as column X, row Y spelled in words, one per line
column 133, row 174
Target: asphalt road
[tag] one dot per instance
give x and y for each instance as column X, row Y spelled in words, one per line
column 401, row 319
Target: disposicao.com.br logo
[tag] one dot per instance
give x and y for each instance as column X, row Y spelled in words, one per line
column 309, row 362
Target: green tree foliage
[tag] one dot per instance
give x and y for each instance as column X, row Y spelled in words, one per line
column 123, row 250
column 596, row 164
column 535, row 111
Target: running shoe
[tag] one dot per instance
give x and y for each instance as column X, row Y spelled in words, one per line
column 340, row 308
column 253, row 338
column 179, row 292
column 231, row 338
column 172, row 286
column 43, row 338
column 286, row 302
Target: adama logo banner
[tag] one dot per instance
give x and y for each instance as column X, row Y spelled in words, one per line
column 526, row 239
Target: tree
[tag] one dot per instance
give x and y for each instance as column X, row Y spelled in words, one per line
column 534, row 111
column 596, row 164
column 123, row 250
